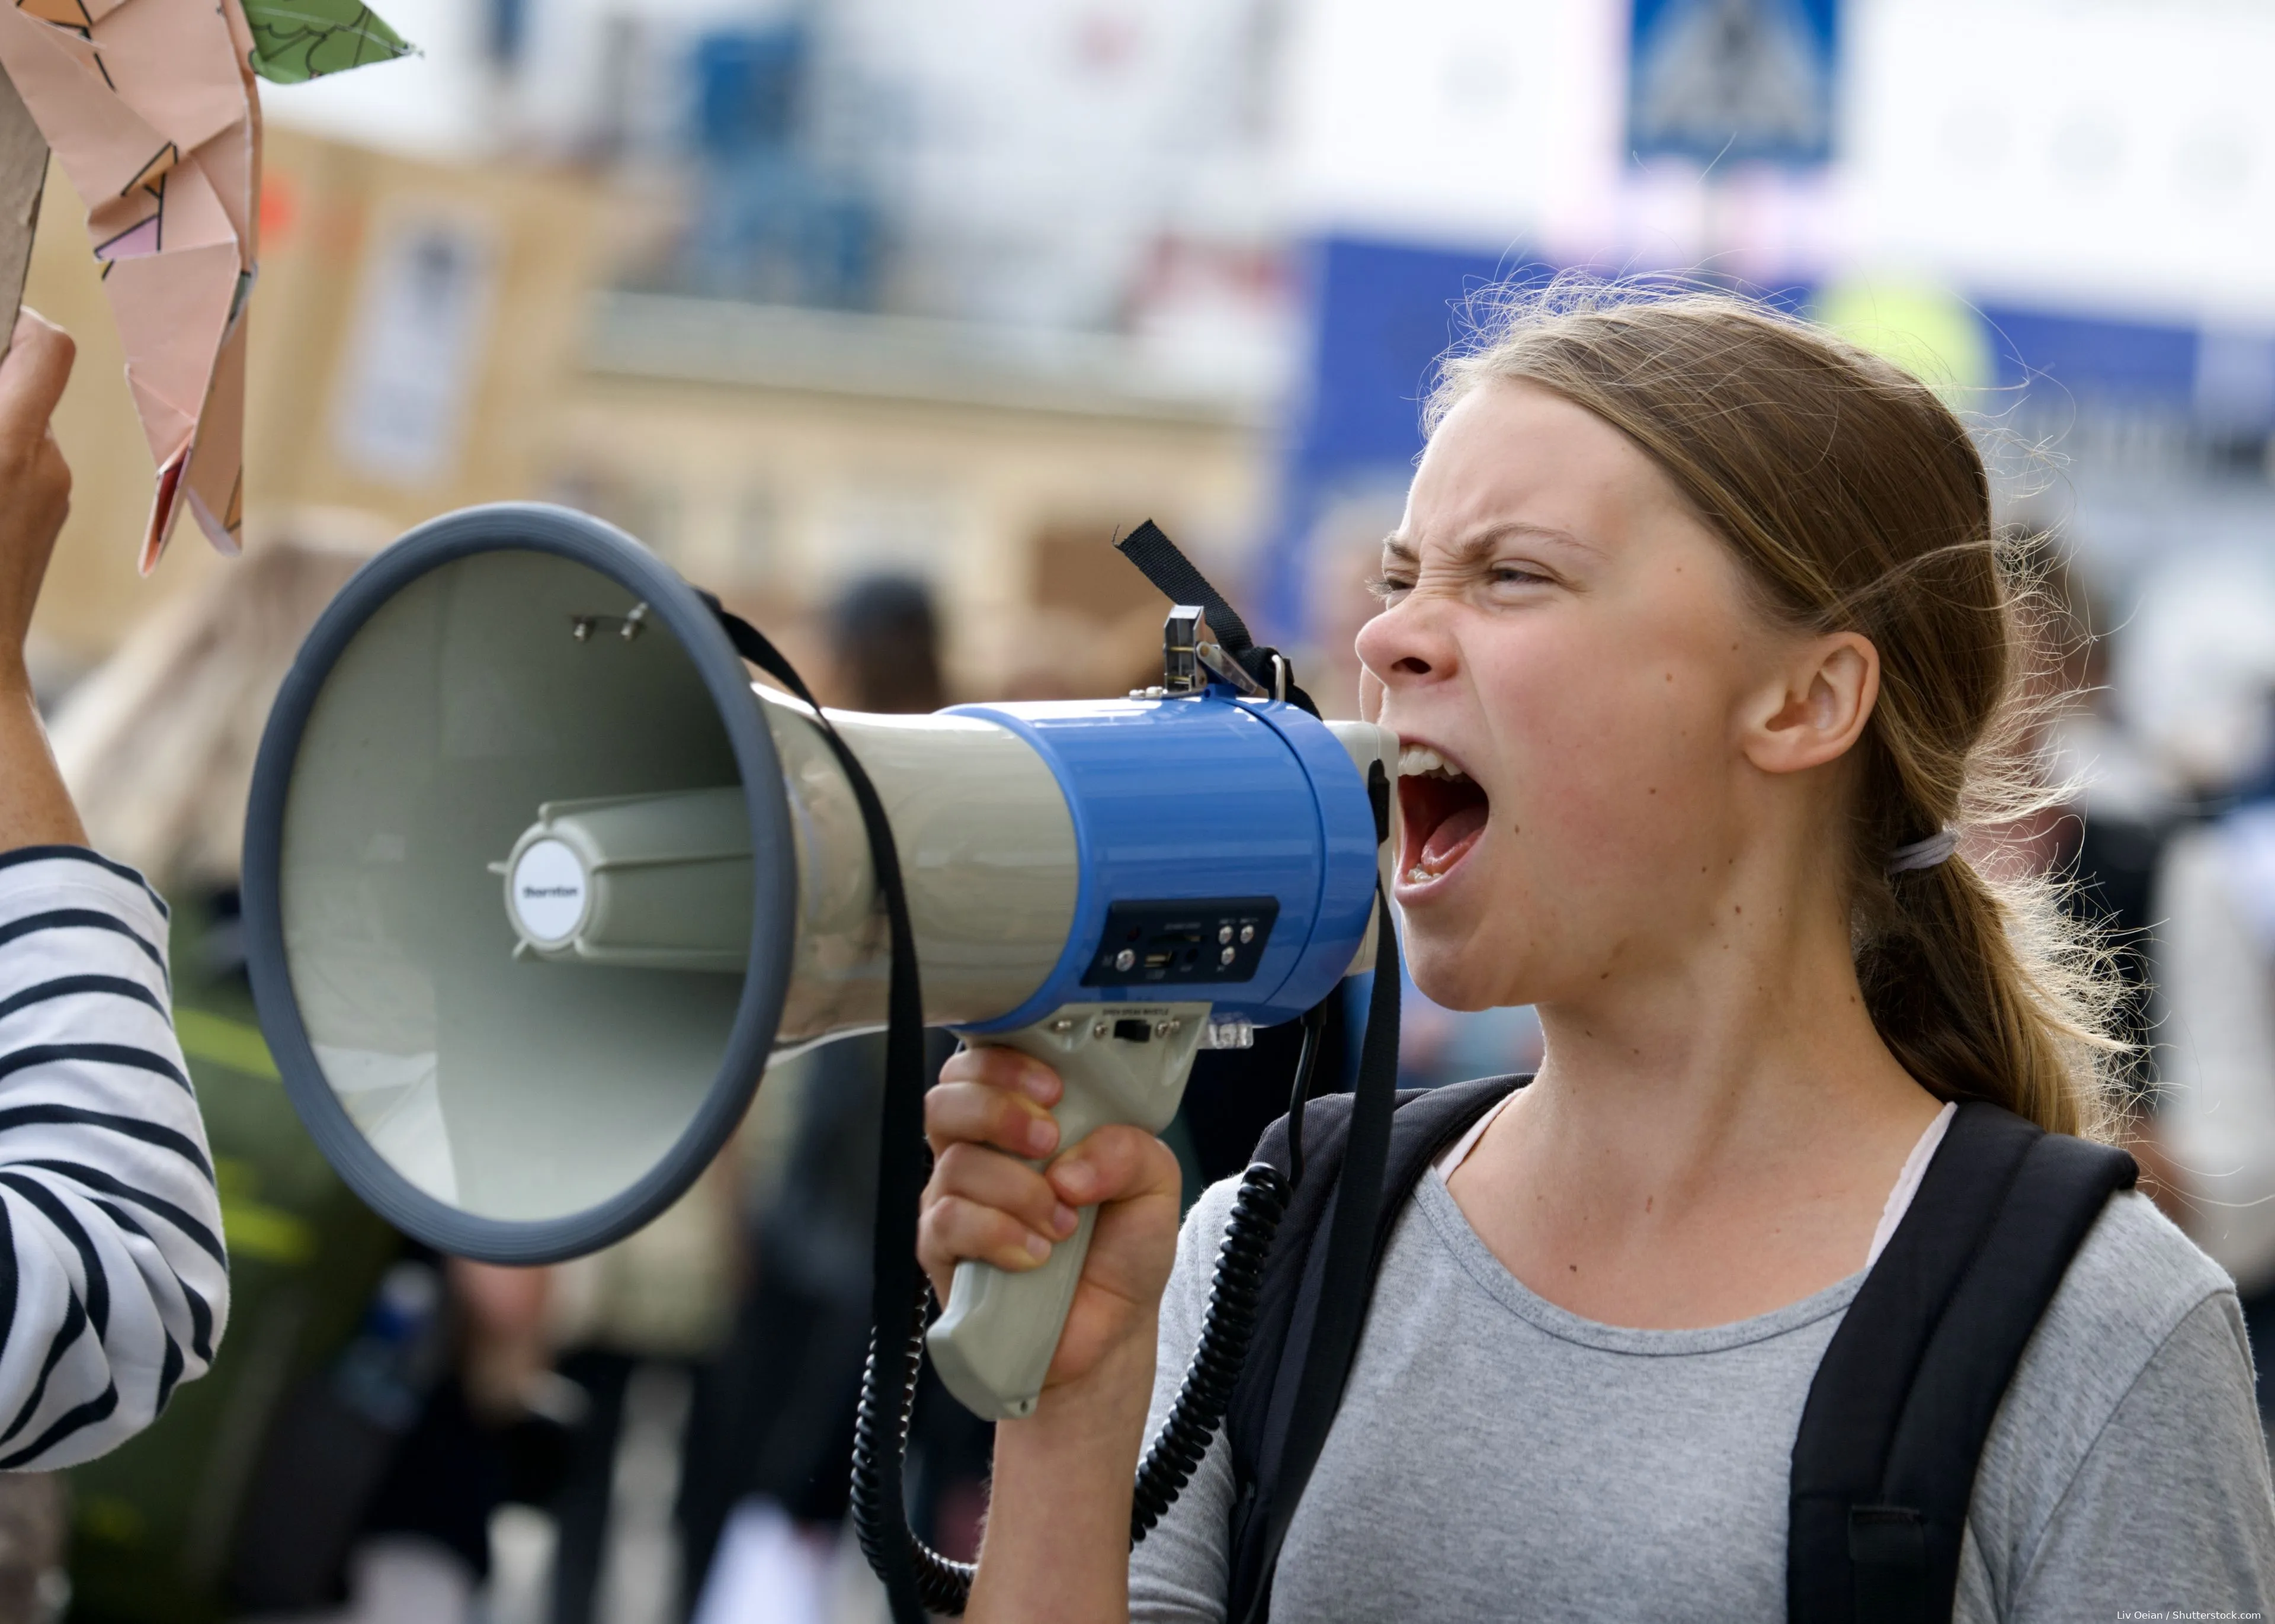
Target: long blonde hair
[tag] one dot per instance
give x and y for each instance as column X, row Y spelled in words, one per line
column 1857, row 501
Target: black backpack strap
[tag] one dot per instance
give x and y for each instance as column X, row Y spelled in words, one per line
column 1884, row 1465
column 1272, row 1458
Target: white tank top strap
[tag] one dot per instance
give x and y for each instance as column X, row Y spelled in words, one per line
column 1461, row 1148
column 1908, row 1181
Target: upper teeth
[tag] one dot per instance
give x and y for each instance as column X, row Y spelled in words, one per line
column 1416, row 759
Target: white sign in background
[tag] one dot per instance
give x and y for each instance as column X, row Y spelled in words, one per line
column 2110, row 155
column 2114, row 155
column 417, row 349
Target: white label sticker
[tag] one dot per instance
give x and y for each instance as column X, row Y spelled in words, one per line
column 546, row 891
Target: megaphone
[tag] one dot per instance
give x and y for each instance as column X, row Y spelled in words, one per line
column 537, row 882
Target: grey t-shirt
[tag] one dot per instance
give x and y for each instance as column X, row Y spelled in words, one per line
column 1498, row 1457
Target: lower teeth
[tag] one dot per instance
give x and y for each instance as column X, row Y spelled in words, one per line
column 1418, row 874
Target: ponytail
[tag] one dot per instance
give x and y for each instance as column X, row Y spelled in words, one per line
column 1979, row 990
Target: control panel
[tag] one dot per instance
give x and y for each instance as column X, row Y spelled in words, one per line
column 1202, row 940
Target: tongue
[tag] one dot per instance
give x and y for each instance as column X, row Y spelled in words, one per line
column 1460, row 827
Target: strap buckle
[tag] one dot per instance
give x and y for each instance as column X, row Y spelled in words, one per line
column 1888, row 1546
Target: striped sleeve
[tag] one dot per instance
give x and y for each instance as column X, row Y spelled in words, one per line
column 114, row 1282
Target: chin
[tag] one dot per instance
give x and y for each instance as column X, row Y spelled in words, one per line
column 1456, row 974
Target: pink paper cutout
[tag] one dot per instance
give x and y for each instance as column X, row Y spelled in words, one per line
column 151, row 109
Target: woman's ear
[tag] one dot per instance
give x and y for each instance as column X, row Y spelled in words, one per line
column 1819, row 706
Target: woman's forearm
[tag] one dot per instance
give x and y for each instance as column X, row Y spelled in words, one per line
column 1057, row 1542
column 35, row 809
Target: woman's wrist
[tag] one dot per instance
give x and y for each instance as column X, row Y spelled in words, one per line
column 1057, row 1540
column 1102, row 1416
column 35, row 808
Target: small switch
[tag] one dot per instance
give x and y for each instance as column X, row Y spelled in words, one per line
column 1125, row 959
column 1247, row 932
column 1225, row 955
column 1224, row 932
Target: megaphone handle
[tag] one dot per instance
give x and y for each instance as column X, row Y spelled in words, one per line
column 994, row 1344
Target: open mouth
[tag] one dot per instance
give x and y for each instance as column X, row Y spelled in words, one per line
column 1444, row 810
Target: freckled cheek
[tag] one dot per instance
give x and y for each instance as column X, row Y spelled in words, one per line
column 1595, row 761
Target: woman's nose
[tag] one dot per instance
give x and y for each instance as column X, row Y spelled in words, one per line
column 1403, row 644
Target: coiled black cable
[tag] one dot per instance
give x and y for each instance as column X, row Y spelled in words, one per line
column 881, row 1443
column 1177, row 1450
column 881, row 1428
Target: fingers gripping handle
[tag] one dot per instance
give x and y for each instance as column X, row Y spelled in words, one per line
column 994, row 1343
column 1121, row 1063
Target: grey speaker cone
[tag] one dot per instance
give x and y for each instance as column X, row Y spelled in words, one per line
column 502, row 1107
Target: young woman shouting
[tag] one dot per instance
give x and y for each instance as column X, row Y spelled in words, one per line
column 1701, row 649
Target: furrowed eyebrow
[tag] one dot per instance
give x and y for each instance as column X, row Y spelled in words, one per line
column 1469, row 549
column 1473, row 550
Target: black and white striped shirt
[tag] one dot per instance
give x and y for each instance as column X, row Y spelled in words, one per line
column 114, row 1282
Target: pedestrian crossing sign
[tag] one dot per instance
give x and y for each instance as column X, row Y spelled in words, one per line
column 1727, row 82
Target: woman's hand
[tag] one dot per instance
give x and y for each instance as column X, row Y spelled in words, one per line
column 1057, row 1542
column 34, row 480
column 990, row 1110
column 35, row 809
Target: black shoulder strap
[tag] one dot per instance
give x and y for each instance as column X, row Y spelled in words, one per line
column 1884, row 1465
column 1271, row 1455
column 902, row 1156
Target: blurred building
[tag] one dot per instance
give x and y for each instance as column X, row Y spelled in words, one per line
column 790, row 292
column 774, row 453
column 963, row 292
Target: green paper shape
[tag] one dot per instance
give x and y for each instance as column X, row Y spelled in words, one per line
column 295, row 40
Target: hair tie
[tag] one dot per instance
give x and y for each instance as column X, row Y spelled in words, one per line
column 1927, row 853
